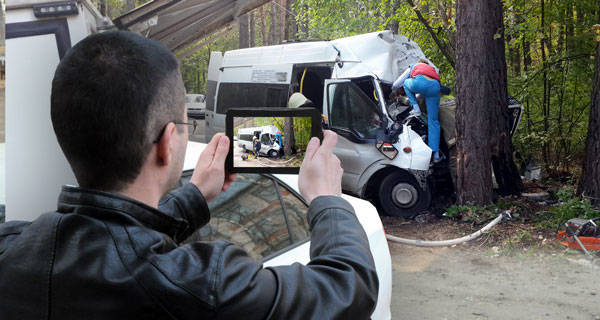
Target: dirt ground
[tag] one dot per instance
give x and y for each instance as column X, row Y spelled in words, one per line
column 263, row 161
column 502, row 275
column 466, row 283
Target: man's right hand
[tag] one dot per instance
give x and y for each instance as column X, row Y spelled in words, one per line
column 209, row 175
column 320, row 172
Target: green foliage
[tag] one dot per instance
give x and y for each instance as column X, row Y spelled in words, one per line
column 549, row 61
column 344, row 18
column 570, row 207
column 194, row 68
column 481, row 214
column 556, row 91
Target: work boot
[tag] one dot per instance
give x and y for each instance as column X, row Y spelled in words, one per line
column 415, row 112
column 438, row 157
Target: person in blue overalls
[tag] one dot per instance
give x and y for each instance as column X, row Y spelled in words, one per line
column 424, row 79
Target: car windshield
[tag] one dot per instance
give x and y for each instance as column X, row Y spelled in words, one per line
column 258, row 214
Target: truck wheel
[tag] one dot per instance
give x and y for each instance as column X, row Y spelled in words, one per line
column 401, row 196
column 273, row 153
column 244, row 150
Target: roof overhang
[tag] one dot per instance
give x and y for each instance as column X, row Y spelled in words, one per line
column 179, row 24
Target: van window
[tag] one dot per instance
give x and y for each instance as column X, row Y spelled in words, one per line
column 246, row 137
column 251, row 95
column 351, row 109
column 264, row 139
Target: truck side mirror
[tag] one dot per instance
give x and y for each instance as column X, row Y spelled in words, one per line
column 387, row 149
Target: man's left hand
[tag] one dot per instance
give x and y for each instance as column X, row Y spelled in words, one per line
column 209, row 175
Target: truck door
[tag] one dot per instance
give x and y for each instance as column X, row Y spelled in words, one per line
column 357, row 120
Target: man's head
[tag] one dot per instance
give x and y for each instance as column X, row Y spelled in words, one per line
column 113, row 94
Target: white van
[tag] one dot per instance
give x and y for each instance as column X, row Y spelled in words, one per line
column 267, row 135
column 350, row 80
column 195, row 104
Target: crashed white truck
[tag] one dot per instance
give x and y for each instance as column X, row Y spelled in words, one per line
column 382, row 150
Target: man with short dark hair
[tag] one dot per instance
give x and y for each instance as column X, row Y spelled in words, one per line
column 111, row 249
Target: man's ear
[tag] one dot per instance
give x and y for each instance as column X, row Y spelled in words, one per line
column 164, row 150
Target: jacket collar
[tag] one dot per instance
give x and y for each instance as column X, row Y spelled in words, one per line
column 72, row 197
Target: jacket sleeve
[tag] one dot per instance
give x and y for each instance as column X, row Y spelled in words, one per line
column 400, row 81
column 340, row 281
column 186, row 203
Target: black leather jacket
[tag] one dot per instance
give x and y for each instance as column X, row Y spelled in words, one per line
column 105, row 256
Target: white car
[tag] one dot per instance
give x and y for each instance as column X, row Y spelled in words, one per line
column 266, row 215
column 196, row 105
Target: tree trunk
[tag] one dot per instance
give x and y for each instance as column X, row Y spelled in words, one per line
column 393, row 25
column 303, row 25
column 104, row 8
column 505, row 170
column 244, row 37
column 288, row 138
column 474, row 98
column 282, row 21
column 514, row 52
column 589, row 184
column 288, row 20
column 252, row 30
column 294, row 21
column 263, row 27
column 129, row 5
column 546, row 93
column 273, row 24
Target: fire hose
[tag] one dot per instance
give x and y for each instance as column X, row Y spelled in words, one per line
column 444, row 243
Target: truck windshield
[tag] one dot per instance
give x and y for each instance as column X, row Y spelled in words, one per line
column 351, row 109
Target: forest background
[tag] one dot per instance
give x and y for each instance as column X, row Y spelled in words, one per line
column 550, row 47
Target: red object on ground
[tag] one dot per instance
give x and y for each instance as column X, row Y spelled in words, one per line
column 590, row 243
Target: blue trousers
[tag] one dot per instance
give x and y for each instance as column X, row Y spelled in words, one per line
column 431, row 90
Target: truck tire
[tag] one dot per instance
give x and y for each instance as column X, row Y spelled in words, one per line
column 400, row 195
column 273, row 153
